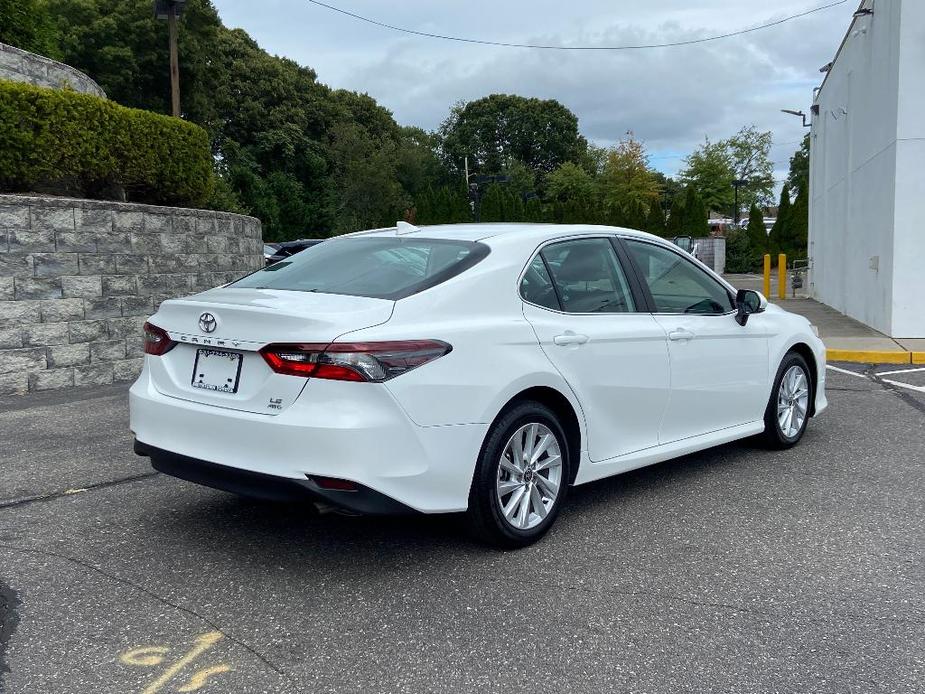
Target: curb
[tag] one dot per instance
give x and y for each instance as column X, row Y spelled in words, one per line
column 874, row 356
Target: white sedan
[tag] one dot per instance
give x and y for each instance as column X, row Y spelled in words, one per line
column 479, row 368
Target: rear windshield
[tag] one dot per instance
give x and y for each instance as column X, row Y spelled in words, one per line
column 376, row 267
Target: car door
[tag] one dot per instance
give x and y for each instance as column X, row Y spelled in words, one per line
column 584, row 308
column 718, row 367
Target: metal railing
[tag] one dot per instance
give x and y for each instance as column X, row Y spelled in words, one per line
column 799, row 270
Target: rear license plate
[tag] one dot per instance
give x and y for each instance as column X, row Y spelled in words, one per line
column 217, row 370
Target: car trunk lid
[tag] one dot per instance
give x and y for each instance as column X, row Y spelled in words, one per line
column 220, row 332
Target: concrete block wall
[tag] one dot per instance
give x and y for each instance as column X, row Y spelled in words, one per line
column 78, row 278
column 711, row 251
column 22, row 66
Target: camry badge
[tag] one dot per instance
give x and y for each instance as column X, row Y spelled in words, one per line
column 207, row 323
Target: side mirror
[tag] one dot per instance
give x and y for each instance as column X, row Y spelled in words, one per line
column 748, row 302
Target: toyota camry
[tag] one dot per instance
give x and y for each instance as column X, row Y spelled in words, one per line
column 476, row 368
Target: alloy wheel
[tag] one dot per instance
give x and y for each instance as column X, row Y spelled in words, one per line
column 529, row 476
column 792, row 401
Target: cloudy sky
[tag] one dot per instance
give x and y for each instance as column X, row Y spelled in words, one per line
column 671, row 98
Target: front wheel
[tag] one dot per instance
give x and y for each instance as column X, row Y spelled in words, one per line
column 521, row 477
column 787, row 414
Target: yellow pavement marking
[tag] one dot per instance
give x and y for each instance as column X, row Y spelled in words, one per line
column 145, row 656
column 152, row 656
column 868, row 356
column 200, row 679
column 918, row 357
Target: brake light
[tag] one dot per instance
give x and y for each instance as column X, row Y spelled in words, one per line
column 156, row 340
column 353, row 361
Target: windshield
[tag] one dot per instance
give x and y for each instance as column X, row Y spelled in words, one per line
column 375, row 267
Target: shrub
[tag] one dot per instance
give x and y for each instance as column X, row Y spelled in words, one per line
column 64, row 142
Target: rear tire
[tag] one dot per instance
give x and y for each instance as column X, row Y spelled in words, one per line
column 787, row 413
column 521, row 477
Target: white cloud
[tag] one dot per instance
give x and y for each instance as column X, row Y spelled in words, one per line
column 670, row 97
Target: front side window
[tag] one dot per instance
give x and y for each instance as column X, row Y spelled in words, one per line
column 587, row 277
column 676, row 284
column 376, row 267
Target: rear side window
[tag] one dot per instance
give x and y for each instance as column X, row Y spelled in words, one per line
column 375, row 267
column 536, row 286
column 588, row 277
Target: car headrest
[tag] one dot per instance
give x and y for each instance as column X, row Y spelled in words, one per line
column 584, row 263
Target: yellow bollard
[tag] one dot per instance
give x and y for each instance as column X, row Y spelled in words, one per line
column 782, row 276
column 767, row 274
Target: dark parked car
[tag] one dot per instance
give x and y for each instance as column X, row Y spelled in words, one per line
column 288, row 248
column 269, row 250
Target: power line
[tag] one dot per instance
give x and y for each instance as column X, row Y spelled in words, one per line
column 504, row 44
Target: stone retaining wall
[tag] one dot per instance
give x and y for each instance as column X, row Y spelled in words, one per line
column 78, row 278
column 22, row 66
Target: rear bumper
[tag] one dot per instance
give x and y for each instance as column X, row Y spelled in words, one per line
column 350, row 431
column 270, row 487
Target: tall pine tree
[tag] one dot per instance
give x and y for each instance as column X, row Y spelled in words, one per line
column 799, row 227
column 781, row 233
column 757, row 233
column 695, row 214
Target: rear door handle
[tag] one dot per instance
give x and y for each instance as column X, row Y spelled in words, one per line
column 570, row 338
column 680, row 334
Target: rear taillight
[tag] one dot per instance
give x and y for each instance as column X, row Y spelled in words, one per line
column 157, row 341
column 353, row 361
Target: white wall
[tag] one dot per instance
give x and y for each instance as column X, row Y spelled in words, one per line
column 909, row 229
column 866, row 190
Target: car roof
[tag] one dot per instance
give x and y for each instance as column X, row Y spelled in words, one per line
column 502, row 230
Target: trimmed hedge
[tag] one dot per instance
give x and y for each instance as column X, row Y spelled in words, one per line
column 75, row 144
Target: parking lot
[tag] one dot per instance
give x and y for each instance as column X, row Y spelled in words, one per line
column 734, row 570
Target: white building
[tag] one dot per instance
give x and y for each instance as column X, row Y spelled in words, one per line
column 867, row 172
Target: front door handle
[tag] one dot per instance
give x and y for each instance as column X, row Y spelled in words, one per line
column 680, row 334
column 570, row 338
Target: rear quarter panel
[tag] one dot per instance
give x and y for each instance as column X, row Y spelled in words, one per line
column 495, row 355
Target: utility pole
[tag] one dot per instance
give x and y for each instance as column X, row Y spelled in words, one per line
column 174, row 61
column 170, row 10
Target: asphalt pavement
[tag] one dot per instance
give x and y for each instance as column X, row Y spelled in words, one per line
column 733, row 570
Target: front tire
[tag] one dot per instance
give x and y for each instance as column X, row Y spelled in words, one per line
column 521, row 478
column 787, row 414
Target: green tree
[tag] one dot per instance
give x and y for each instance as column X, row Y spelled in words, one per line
column 569, row 181
column 798, row 183
column 740, row 256
column 749, row 150
column 676, row 223
column 794, row 243
column 655, row 221
column 500, row 128
column 494, row 205
column 780, row 237
column 28, row 24
column 626, row 182
column 709, row 169
column 534, row 211
column 798, row 176
column 695, row 214
column 306, row 159
column 715, row 165
column 757, row 233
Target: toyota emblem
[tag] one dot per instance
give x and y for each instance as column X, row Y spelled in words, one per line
column 207, row 323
